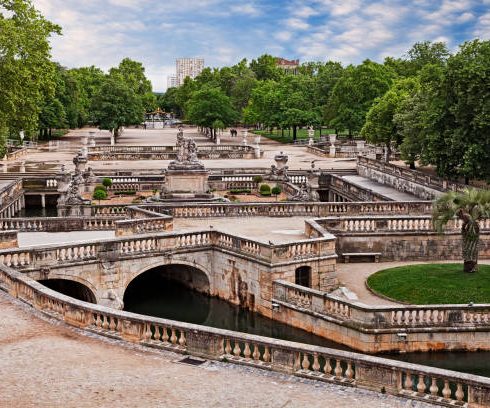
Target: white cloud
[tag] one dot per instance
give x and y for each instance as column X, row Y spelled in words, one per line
column 283, row 35
column 249, row 9
column 482, row 29
column 297, row 24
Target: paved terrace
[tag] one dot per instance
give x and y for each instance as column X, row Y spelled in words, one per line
column 47, row 364
column 387, row 191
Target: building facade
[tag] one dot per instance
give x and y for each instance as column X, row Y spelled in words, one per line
column 290, row 66
column 171, row 81
column 188, row 67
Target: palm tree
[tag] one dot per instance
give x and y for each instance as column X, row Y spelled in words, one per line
column 470, row 206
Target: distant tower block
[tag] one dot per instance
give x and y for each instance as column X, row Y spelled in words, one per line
column 188, row 67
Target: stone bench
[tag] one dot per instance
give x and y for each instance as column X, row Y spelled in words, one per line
column 348, row 255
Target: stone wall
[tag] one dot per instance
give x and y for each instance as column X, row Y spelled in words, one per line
column 316, row 363
column 419, row 184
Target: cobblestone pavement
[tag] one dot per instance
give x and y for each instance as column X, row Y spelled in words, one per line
column 47, row 364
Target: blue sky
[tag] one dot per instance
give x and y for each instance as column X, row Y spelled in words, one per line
column 156, row 32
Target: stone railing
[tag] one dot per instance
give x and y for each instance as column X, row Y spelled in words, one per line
column 11, row 196
column 155, row 244
column 391, row 224
column 143, row 221
column 314, row 209
column 348, row 190
column 17, row 153
column 422, row 185
column 418, row 382
column 58, row 224
column 122, row 152
column 322, row 304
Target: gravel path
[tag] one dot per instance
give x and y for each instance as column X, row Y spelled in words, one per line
column 44, row 363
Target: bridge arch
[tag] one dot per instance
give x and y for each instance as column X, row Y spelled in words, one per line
column 70, row 287
column 187, row 268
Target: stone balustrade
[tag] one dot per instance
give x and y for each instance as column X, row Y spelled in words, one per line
column 164, row 242
column 369, row 224
column 381, row 317
column 124, row 152
column 58, row 224
column 413, row 381
column 280, row 209
column 415, row 182
column 11, row 198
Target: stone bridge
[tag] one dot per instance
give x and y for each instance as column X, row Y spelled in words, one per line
column 233, row 268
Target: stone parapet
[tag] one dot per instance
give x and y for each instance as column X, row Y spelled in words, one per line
column 418, row 382
column 422, row 185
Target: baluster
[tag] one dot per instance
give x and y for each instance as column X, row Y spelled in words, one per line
column 316, row 364
column 459, row 392
column 256, row 353
column 173, row 337
column 349, row 373
column 434, row 389
column 446, row 391
column 246, row 350
column 338, row 369
column 182, row 340
column 421, row 385
column 236, row 349
column 267, row 355
column 228, row 347
column 305, row 364
column 164, row 334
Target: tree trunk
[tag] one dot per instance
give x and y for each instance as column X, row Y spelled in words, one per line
column 387, row 153
column 294, row 133
column 116, row 132
column 471, row 237
column 412, row 165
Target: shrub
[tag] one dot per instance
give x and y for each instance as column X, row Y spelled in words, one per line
column 240, row 191
column 99, row 195
column 276, row 190
column 265, row 190
column 106, row 182
column 258, row 179
column 100, row 187
column 125, row 192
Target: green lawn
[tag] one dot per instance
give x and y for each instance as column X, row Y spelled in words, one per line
column 433, row 284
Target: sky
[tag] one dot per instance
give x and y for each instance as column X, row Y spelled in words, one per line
column 156, row 32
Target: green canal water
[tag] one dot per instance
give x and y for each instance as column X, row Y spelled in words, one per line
column 172, row 300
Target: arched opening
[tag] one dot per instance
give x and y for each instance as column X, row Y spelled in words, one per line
column 302, row 276
column 169, row 291
column 70, row 288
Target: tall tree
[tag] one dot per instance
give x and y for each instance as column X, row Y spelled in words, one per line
column 133, row 74
column 355, row 92
column 380, row 126
column 210, row 108
column 116, row 104
column 26, row 73
column 265, row 68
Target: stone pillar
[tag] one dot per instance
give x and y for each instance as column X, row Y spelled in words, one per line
column 84, row 140
column 332, row 138
column 113, row 140
column 218, row 140
column 333, row 151
column 91, row 139
column 43, row 200
column 22, row 168
column 311, row 135
column 245, row 135
column 360, row 144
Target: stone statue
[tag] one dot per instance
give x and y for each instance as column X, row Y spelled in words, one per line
column 186, row 154
column 305, row 193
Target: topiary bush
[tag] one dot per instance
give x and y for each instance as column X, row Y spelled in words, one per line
column 106, row 182
column 100, row 187
column 265, row 190
column 276, row 190
column 258, row 179
column 99, row 195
